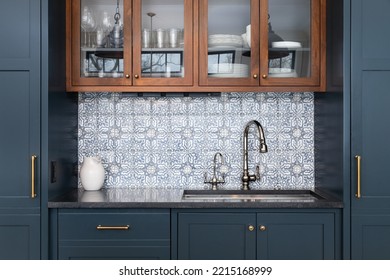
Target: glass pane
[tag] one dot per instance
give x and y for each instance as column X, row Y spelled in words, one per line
column 101, row 40
column 229, row 38
column 289, row 38
column 162, row 38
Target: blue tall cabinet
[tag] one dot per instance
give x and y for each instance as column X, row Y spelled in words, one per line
column 370, row 129
column 20, row 152
column 38, row 124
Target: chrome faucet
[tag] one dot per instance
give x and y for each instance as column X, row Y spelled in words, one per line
column 215, row 180
column 246, row 177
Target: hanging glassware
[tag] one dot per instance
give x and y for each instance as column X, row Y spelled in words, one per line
column 116, row 35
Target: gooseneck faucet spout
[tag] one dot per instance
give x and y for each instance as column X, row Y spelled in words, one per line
column 246, row 177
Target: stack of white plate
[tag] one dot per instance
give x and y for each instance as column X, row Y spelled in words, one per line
column 282, row 73
column 287, row 45
column 228, row 70
column 225, row 40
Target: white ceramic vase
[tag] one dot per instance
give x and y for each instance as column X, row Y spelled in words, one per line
column 92, row 174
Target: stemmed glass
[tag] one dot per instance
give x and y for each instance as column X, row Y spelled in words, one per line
column 88, row 25
column 107, row 25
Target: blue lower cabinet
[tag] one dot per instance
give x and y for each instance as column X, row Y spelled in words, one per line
column 220, row 236
column 19, row 236
column 253, row 235
column 371, row 237
column 296, row 236
column 113, row 234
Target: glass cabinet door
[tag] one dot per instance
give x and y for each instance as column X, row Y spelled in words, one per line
column 163, row 42
column 290, row 42
column 229, row 45
column 100, row 38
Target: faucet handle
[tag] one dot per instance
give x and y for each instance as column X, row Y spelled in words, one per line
column 257, row 172
column 206, row 178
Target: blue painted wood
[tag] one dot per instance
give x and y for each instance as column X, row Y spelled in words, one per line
column 20, row 95
column 370, row 96
column 224, row 234
column 220, row 236
column 148, row 236
column 19, row 236
column 371, row 237
column 104, row 251
column 296, row 236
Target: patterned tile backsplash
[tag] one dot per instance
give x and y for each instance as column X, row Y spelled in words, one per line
column 170, row 142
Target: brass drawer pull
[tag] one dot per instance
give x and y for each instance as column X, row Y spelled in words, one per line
column 33, row 161
column 251, row 228
column 100, row 227
column 358, row 179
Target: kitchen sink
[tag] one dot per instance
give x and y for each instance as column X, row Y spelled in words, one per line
column 253, row 195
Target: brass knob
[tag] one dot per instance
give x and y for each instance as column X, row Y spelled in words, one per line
column 251, row 228
column 127, row 76
column 136, row 76
column 255, row 76
column 264, row 76
column 262, row 228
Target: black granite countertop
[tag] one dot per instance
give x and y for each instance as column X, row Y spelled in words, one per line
column 168, row 198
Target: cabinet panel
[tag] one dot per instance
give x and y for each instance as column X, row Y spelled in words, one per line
column 19, row 119
column 163, row 42
column 82, row 224
column 293, row 42
column 296, row 236
column 104, row 251
column 370, row 33
column 216, row 236
column 371, row 237
column 370, row 108
column 19, row 31
column 122, row 234
column 99, row 47
column 226, row 57
column 19, row 237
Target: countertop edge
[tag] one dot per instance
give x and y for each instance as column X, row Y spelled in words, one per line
column 111, row 198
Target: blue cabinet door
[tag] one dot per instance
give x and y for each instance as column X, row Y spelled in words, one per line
column 19, row 236
column 296, row 236
column 370, row 114
column 19, row 101
column 20, row 129
column 218, row 236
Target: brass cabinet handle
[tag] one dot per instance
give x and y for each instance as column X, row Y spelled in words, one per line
column 136, row 76
column 358, row 179
column 127, row 76
column 264, row 76
column 255, row 76
column 33, row 160
column 262, row 228
column 100, row 227
column 251, row 228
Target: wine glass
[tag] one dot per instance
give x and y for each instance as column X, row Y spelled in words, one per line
column 91, row 27
column 84, row 25
column 107, row 25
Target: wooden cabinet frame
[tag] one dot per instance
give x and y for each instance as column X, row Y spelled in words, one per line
column 195, row 54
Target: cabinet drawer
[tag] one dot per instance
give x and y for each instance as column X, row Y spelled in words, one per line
column 98, row 224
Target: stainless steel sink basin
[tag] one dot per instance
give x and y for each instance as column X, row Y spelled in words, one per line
column 252, row 195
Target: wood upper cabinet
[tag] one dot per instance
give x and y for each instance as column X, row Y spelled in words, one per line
column 196, row 45
column 293, row 43
column 162, row 43
column 98, row 49
column 267, row 43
